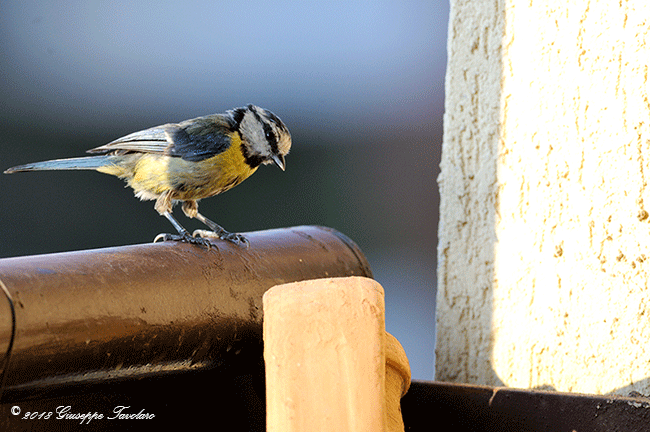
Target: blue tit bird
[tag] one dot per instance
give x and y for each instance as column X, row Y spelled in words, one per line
column 188, row 161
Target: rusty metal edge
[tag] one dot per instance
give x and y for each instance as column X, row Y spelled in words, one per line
column 466, row 407
column 356, row 250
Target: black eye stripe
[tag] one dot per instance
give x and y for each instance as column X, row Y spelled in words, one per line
column 270, row 136
column 268, row 116
column 275, row 119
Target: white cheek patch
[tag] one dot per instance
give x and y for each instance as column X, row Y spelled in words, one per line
column 253, row 130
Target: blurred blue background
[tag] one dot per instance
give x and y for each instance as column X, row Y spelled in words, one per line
column 360, row 84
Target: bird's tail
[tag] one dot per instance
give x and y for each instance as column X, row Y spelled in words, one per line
column 80, row 163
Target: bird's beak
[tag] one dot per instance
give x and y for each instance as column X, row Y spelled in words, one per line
column 279, row 161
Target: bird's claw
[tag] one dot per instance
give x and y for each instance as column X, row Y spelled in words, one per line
column 185, row 237
column 228, row 236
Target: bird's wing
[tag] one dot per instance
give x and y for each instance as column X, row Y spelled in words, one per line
column 153, row 140
column 193, row 140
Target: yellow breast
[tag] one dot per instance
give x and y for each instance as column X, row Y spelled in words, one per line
column 153, row 174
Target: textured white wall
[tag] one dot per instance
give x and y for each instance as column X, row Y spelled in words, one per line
column 544, row 256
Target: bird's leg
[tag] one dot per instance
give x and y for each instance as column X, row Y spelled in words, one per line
column 164, row 207
column 217, row 230
column 191, row 210
column 183, row 235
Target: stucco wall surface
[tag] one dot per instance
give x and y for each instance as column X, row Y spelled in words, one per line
column 544, row 236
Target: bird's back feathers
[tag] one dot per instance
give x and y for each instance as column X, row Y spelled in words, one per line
column 193, row 140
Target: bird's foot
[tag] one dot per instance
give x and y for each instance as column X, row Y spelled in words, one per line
column 224, row 235
column 184, row 237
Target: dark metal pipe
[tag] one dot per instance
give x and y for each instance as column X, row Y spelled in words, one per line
column 143, row 310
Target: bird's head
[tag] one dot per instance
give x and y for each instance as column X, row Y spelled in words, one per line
column 265, row 139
